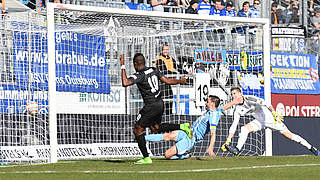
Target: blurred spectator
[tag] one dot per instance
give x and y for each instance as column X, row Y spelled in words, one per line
column 255, row 9
column 311, row 9
column 167, row 65
column 157, row 5
column 315, row 42
column 244, row 12
column 291, row 13
column 316, row 19
column 276, row 14
column 204, row 7
column 4, row 8
column 185, row 4
column 192, row 9
column 229, row 9
column 218, row 9
column 173, row 3
column 295, row 12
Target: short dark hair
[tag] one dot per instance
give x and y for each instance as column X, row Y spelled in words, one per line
column 139, row 59
column 215, row 99
column 236, row 88
column 245, row 3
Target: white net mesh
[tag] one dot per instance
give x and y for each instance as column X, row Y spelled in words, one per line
column 95, row 113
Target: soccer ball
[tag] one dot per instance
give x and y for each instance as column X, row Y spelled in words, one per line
column 32, row 108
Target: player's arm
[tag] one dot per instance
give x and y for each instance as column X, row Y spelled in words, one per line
column 172, row 81
column 233, row 128
column 211, row 145
column 125, row 81
column 233, row 102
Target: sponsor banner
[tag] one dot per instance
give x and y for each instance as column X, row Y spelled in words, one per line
column 287, row 32
column 288, row 44
column 92, row 103
column 205, row 57
column 294, row 74
column 252, row 61
column 296, row 105
column 71, row 151
column 81, row 64
column 15, row 101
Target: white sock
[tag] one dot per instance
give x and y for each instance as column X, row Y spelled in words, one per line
column 242, row 137
column 301, row 141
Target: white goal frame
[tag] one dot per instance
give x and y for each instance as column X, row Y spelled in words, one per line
column 51, row 7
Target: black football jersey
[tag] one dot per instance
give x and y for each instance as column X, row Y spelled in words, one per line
column 147, row 81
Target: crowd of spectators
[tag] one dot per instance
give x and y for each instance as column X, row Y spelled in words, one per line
column 211, row 7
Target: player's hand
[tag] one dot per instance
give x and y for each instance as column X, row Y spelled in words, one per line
column 277, row 117
column 121, row 59
column 183, row 80
column 223, row 147
column 210, row 152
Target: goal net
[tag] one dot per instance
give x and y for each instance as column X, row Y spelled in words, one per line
column 68, row 65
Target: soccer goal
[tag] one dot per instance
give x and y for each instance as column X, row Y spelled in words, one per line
column 67, row 68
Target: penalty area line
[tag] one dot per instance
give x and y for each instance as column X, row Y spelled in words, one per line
column 170, row 171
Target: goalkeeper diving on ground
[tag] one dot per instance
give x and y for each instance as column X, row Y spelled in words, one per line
column 265, row 117
column 205, row 123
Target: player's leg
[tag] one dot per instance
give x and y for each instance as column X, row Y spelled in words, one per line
column 159, row 127
column 282, row 128
column 253, row 126
column 181, row 148
column 144, row 119
column 171, row 136
column 140, row 138
column 298, row 139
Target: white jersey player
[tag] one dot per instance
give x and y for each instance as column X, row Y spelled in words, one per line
column 265, row 117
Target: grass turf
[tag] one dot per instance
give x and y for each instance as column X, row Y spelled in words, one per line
column 235, row 168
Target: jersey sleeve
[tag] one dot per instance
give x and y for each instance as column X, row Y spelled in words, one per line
column 135, row 78
column 213, row 120
column 253, row 100
column 236, row 118
column 158, row 73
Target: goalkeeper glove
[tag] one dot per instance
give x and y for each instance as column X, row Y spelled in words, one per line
column 227, row 143
column 277, row 117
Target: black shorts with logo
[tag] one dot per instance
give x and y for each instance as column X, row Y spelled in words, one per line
column 150, row 114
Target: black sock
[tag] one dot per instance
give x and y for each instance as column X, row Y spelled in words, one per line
column 142, row 145
column 165, row 127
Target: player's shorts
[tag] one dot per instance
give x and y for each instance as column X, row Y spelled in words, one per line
column 150, row 114
column 268, row 122
column 184, row 143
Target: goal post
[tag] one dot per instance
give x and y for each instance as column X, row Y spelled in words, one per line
column 69, row 63
column 172, row 26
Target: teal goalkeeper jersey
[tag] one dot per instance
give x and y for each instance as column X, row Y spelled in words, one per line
column 208, row 121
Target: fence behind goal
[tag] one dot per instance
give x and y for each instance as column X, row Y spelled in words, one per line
column 84, row 112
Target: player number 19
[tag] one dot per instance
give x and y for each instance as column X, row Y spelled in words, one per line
column 203, row 92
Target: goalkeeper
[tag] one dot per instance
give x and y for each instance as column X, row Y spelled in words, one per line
column 205, row 123
column 265, row 117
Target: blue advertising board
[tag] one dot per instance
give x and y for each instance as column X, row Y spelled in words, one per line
column 245, row 60
column 294, row 74
column 81, row 64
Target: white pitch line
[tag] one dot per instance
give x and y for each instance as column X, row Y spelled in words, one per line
column 171, row 171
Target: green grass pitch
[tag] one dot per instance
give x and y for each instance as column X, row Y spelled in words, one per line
column 233, row 168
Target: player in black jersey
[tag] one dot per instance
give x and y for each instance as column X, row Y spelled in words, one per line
column 147, row 80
